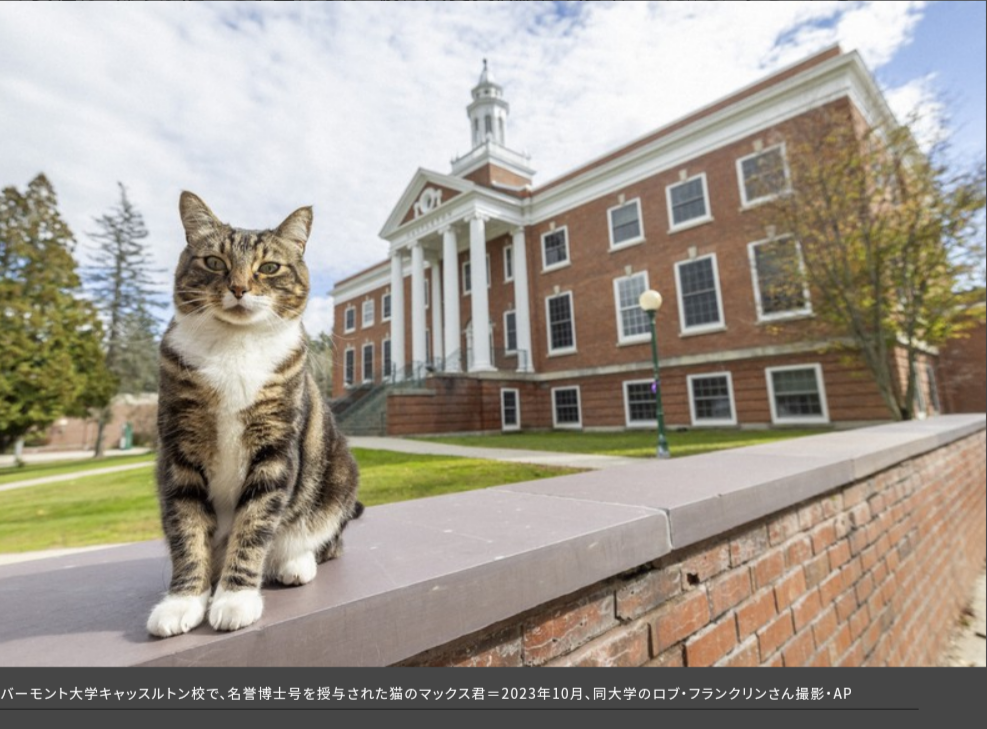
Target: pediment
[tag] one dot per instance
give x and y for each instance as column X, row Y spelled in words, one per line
column 427, row 192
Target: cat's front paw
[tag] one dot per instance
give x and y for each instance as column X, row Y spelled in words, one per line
column 177, row 614
column 232, row 610
column 298, row 571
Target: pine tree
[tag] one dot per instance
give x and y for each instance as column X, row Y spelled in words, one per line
column 120, row 280
column 51, row 362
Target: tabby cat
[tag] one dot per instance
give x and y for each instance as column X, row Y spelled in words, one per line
column 254, row 479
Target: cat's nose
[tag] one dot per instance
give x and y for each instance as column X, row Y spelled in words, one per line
column 238, row 291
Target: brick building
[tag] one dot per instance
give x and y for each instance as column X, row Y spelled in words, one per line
column 510, row 305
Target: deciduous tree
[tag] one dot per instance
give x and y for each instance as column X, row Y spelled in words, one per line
column 888, row 238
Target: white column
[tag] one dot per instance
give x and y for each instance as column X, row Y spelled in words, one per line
column 417, row 307
column 397, row 314
column 450, row 293
column 436, row 302
column 478, row 294
column 522, row 309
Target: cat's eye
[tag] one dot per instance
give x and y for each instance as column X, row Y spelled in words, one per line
column 268, row 268
column 214, row 264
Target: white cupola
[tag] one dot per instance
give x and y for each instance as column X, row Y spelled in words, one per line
column 488, row 112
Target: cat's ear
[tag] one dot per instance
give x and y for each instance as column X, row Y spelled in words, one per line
column 296, row 227
column 198, row 219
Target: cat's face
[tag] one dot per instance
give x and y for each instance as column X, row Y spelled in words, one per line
column 241, row 277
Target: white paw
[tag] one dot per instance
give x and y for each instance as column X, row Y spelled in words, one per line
column 177, row 614
column 298, row 571
column 236, row 609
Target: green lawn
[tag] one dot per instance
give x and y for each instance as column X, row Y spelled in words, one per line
column 633, row 443
column 123, row 507
column 9, row 474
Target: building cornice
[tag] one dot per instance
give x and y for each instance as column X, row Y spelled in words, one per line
column 719, row 124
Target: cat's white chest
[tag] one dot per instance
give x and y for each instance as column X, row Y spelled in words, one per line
column 236, row 363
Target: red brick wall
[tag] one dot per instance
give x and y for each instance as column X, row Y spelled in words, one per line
column 963, row 372
column 464, row 404
column 872, row 574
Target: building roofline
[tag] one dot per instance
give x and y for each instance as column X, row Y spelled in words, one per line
column 358, row 274
column 694, row 116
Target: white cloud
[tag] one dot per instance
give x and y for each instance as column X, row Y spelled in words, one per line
column 918, row 105
column 263, row 107
column 318, row 315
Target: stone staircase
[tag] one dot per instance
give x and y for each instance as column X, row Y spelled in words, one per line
column 362, row 412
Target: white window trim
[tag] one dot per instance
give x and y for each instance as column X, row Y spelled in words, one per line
column 363, row 362
column 691, row 222
column 384, row 374
column 346, row 317
column 508, row 352
column 793, row 313
column 517, row 404
column 568, row 253
column 621, row 337
column 701, row 328
column 640, row 224
column 697, row 422
column 385, row 295
column 548, row 324
column 579, row 407
column 346, row 355
column 804, row 420
column 651, row 422
column 508, row 247
column 364, row 323
column 744, row 202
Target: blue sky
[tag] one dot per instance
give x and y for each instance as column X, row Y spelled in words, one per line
column 263, row 107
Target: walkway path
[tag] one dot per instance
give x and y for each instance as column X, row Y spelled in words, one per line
column 71, row 476
column 591, row 461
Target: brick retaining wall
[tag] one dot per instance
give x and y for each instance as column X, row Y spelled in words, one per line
column 873, row 573
column 848, row 548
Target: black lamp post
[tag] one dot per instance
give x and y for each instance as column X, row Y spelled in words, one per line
column 650, row 302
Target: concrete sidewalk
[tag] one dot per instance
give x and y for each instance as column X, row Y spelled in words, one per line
column 589, row 461
column 49, row 456
column 71, row 476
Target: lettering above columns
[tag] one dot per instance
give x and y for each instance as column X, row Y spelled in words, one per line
column 428, row 201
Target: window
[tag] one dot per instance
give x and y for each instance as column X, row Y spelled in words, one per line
column 554, row 249
column 510, row 409
column 639, row 403
column 625, row 224
column 508, row 263
column 699, row 295
column 565, row 407
column 779, row 280
column 428, row 292
column 762, row 175
column 633, row 324
column 368, row 362
column 385, row 307
column 687, row 202
column 797, row 394
column 561, row 327
column 386, row 355
column 467, row 275
column 510, row 332
column 349, row 319
column 349, row 366
column 711, row 399
column 368, row 313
